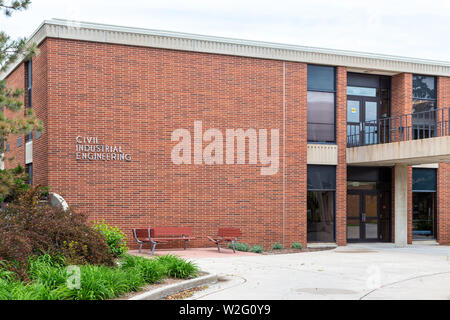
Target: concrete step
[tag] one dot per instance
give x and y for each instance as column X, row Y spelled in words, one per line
column 320, row 245
column 426, row 242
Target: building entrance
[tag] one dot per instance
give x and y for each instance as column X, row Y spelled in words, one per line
column 368, row 204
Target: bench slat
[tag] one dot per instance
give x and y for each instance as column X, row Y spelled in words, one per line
column 229, row 232
column 170, row 231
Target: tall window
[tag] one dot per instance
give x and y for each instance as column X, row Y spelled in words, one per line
column 424, row 203
column 321, row 203
column 321, row 104
column 28, row 101
column 424, row 103
column 28, row 82
column 29, row 171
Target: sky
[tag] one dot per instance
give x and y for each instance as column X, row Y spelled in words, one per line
column 419, row 29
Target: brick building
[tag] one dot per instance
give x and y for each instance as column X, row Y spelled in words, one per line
column 291, row 144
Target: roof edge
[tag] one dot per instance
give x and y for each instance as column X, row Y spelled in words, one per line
column 96, row 32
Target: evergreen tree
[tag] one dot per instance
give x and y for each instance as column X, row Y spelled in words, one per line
column 24, row 121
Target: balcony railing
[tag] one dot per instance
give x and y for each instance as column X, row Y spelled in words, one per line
column 417, row 125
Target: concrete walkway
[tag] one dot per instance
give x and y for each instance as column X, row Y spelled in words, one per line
column 357, row 271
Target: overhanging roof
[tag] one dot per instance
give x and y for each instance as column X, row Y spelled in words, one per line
column 355, row 61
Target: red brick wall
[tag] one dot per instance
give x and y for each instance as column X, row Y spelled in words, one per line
column 16, row 155
column 135, row 97
column 295, row 153
column 341, row 169
column 443, row 214
column 39, row 87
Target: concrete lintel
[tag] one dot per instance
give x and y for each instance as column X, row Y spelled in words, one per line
column 413, row 152
column 324, row 154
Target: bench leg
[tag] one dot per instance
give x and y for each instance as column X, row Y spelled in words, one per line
column 234, row 249
column 218, row 246
column 153, row 248
column 185, row 241
column 140, row 247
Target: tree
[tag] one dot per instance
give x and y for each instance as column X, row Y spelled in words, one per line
column 12, row 98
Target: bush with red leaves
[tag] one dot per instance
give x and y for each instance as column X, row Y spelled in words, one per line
column 29, row 227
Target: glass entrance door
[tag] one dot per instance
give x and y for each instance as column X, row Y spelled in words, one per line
column 363, row 216
column 362, row 116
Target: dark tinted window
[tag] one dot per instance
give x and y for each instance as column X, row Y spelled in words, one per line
column 321, row 116
column 19, row 141
column 424, row 179
column 320, row 216
column 29, row 171
column 29, row 136
column 321, row 78
column 424, row 87
column 321, row 177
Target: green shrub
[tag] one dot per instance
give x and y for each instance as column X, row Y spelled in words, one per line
column 115, row 238
column 256, row 249
column 277, row 246
column 178, row 268
column 29, row 227
column 296, row 245
column 239, row 246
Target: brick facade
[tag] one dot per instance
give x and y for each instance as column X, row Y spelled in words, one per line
column 341, row 169
column 135, row 97
column 443, row 183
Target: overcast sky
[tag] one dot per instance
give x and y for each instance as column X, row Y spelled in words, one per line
column 407, row 28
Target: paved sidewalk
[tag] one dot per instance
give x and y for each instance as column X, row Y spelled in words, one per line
column 196, row 253
column 357, row 271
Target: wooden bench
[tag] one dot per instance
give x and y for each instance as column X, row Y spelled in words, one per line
column 226, row 235
column 162, row 235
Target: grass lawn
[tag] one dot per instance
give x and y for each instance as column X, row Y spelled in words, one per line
column 51, row 280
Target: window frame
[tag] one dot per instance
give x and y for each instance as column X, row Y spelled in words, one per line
column 435, row 87
column 335, row 101
column 29, row 83
column 323, row 190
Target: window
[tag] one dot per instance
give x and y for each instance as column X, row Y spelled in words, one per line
column 424, row 203
column 29, row 171
column 7, row 147
column 321, row 104
column 38, row 134
column 424, row 103
column 321, row 203
column 28, row 82
column 424, row 180
column 19, row 141
column 29, row 136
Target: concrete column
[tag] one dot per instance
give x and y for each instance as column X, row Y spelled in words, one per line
column 401, row 205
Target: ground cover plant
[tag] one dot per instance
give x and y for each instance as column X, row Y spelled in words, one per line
column 51, row 279
column 239, row 246
column 256, row 249
column 48, row 253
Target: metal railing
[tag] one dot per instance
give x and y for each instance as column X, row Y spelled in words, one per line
column 417, row 125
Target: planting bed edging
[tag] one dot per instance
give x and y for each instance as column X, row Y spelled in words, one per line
column 160, row 293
